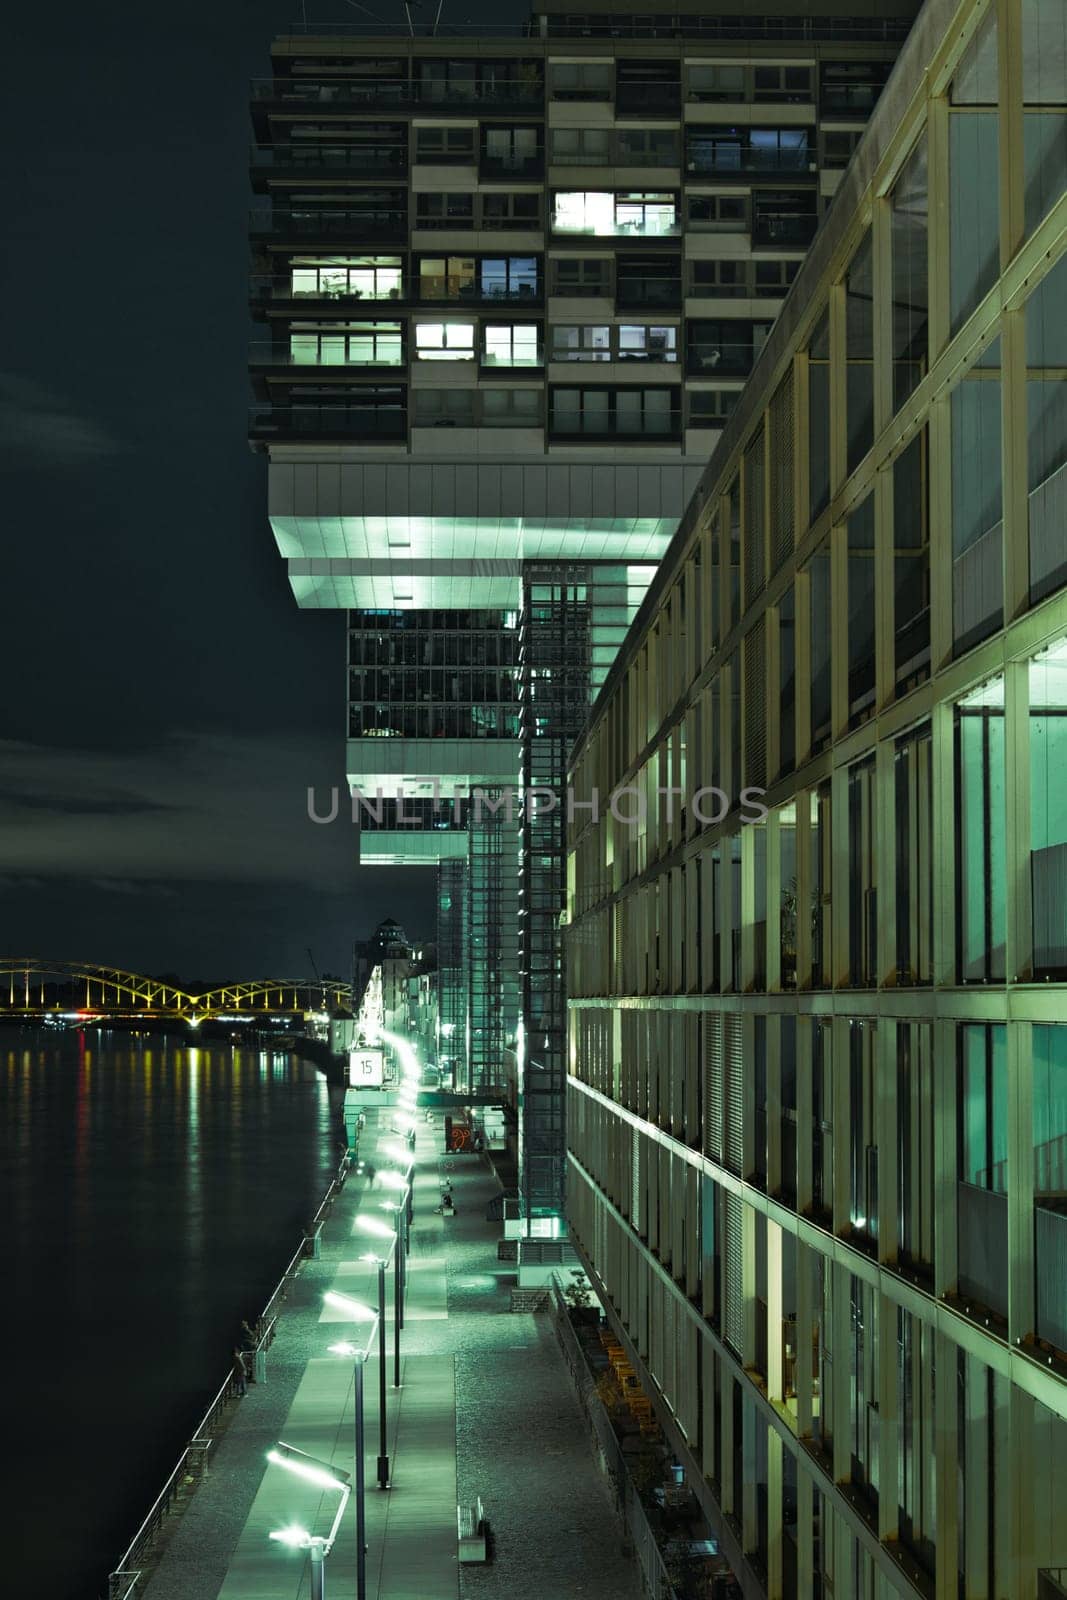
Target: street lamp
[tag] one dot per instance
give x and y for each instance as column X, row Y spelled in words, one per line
column 324, row 1476
column 381, row 1230
column 381, row 1262
column 360, row 1313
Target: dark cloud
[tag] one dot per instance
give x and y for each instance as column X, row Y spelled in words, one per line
column 40, row 429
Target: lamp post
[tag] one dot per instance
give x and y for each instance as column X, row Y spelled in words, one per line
column 383, row 1441
column 361, row 1313
column 324, row 1476
column 381, row 1230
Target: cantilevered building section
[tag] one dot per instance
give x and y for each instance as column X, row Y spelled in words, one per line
column 817, row 1114
column 511, row 288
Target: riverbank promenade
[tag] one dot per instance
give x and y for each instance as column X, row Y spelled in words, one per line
column 485, row 1408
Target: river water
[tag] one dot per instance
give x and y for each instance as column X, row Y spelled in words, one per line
column 151, row 1195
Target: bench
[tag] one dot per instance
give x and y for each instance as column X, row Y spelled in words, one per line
column 470, row 1523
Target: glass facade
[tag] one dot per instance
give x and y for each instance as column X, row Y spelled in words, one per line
column 817, row 1106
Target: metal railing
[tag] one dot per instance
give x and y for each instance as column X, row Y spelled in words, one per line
column 326, row 422
column 193, row 1462
column 649, row 1556
column 312, row 156
column 396, row 92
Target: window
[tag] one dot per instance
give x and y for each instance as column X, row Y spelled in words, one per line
column 637, row 342
column 445, row 146
column 576, row 147
column 1048, row 811
column 446, row 277
column 584, row 277
column 724, row 347
column 648, row 282
column 715, row 81
column 718, row 213
column 1046, row 429
column 731, row 150
column 580, row 80
column 354, row 277
column 861, row 607
column 791, row 84
column 709, row 408
column 359, row 343
column 509, row 277
column 982, row 1211
column 772, row 278
column 510, row 408
column 647, row 85
column 980, row 806
column 838, row 146
column 628, row 342
column 977, row 502
column 915, row 1144
column 584, row 342
column 444, row 211
column 850, row 88
column 511, row 345
column 862, row 888
column 719, row 279
column 602, row 212
column 517, row 211
column 859, row 349
column 909, row 218
column 511, row 152
column 973, row 202
column 914, row 859
column 819, row 418
column 911, row 563
column 646, row 147
column 444, row 341
column 635, row 413
column 784, row 218
column 444, row 408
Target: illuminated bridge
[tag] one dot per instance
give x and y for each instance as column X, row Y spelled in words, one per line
column 32, row 987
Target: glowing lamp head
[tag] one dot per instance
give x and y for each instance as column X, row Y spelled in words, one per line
column 295, row 1537
column 306, row 1467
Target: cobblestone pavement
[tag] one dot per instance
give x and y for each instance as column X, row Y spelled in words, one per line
column 521, row 1442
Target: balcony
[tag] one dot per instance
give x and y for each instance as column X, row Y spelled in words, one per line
column 360, row 226
column 329, row 350
column 726, row 160
column 283, row 294
column 323, row 423
column 983, row 1247
column 521, row 168
column 654, row 294
column 785, row 232
column 308, row 158
column 718, row 358
column 397, row 94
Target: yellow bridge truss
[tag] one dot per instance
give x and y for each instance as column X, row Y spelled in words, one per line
column 24, row 981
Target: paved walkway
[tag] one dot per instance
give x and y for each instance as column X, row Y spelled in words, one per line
column 485, row 1408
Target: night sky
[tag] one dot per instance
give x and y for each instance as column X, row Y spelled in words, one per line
column 165, row 706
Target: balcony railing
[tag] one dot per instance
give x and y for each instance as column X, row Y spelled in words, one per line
column 793, row 232
column 633, row 295
column 325, row 422
column 487, row 295
column 398, row 93
column 721, row 358
column 732, row 162
column 266, row 288
column 368, row 160
column 360, row 226
column 265, row 353
column 512, row 166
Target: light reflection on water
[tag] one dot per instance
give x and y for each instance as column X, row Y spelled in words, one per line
column 153, row 1194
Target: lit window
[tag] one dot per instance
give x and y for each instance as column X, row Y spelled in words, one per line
column 444, row 341
column 590, row 342
column 511, row 345
column 581, row 211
